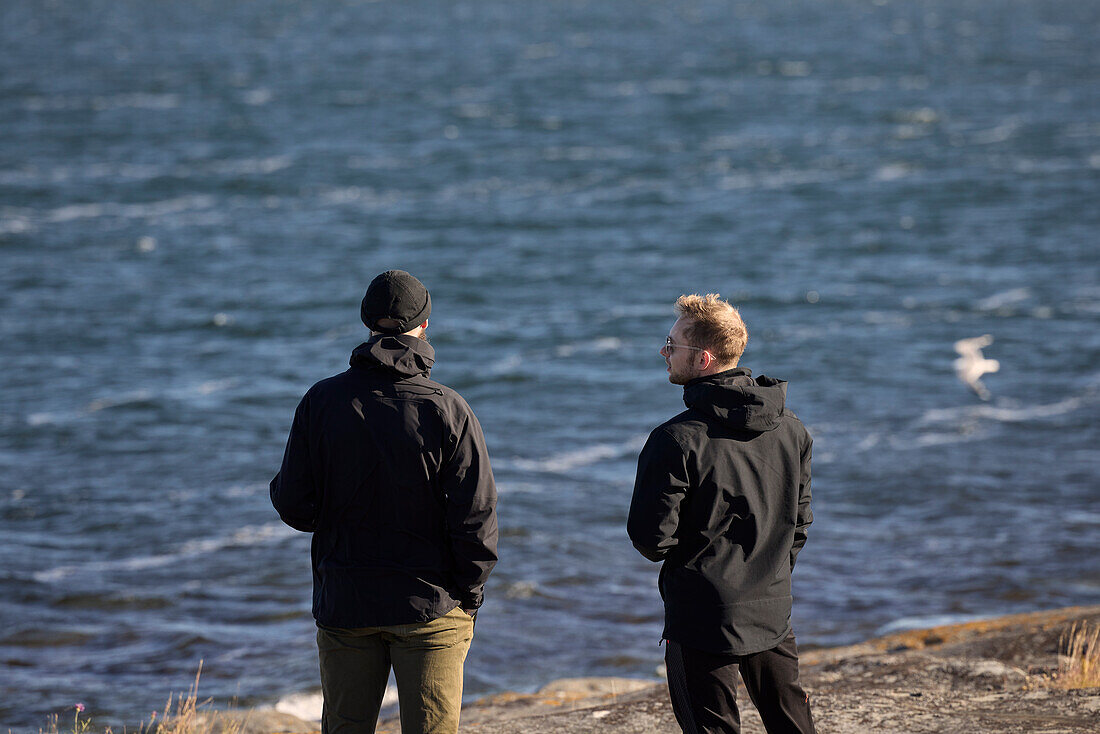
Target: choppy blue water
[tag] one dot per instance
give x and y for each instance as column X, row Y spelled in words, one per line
column 193, row 196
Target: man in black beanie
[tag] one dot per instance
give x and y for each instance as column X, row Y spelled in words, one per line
column 389, row 471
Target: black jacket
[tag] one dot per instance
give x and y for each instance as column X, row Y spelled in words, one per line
column 389, row 471
column 723, row 498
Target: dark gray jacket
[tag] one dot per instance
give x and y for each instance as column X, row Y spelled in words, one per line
column 722, row 496
column 389, row 471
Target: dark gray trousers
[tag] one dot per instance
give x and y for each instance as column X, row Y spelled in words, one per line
column 703, row 688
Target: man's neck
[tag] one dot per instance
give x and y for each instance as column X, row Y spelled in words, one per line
column 714, row 370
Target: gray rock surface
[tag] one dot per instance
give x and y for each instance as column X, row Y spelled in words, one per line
column 989, row 676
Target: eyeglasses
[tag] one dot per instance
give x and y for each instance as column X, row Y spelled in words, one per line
column 670, row 345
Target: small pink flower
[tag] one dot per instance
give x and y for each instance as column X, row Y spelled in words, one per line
column 153, row 716
column 79, row 707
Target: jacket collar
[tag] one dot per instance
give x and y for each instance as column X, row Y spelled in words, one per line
column 734, row 398
column 408, row 356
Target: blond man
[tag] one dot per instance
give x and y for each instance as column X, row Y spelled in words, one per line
column 722, row 498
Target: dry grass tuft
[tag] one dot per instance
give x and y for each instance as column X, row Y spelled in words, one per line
column 185, row 718
column 188, row 720
column 1079, row 662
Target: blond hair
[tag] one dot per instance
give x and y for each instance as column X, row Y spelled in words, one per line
column 715, row 326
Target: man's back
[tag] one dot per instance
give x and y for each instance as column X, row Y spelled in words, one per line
column 390, row 473
column 745, row 467
column 398, row 462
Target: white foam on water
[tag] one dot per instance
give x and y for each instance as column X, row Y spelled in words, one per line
column 508, row 365
column 258, row 97
column 669, row 87
column 1004, row 298
column 587, row 153
column 148, row 210
column 133, row 396
column 521, row 590
column 252, row 166
column 365, row 196
column 246, row 490
column 137, row 100
column 380, row 162
column 250, row 535
column 923, row 622
column 860, row 84
column 926, row 440
column 608, row 344
column 83, row 172
column 569, row 460
column 213, row 386
column 15, row 225
column 869, row 442
column 998, row 134
column 963, row 424
column 46, row 418
column 187, row 393
column 777, row 179
column 1014, row 415
column 599, row 344
column 893, row 171
column 307, row 706
column 1002, row 413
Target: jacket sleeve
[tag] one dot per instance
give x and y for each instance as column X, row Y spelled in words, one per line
column 467, row 482
column 805, row 515
column 659, row 491
column 293, row 490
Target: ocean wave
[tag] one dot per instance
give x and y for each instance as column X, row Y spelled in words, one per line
column 521, row 590
column 927, row 440
column 926, row 621
column 191, row 393
column 126, row 398
column 778, row 179
column 252, row 166
column 307, row 705
column 48, row 418
column 1005, row 298
column 506, row 366
column 69, row 103
column 147, row 210
column 598, row 344
column 15, row 224
column 36, row 176
column 1001, row 413
column 250, row 535
column 588, row 153
column 568, row 460
column 115, row 171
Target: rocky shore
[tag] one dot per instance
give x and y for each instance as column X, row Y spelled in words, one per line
column 994, row 675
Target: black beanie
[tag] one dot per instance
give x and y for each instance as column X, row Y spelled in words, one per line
column 399, row 296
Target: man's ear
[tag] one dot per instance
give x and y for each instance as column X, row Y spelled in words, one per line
column 707, row 358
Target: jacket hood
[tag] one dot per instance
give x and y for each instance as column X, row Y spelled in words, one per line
column 406, row 355
column 733, row 397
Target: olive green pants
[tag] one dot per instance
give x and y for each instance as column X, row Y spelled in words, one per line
column 427, row 660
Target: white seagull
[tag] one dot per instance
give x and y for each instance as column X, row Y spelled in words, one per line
column 971, row 365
